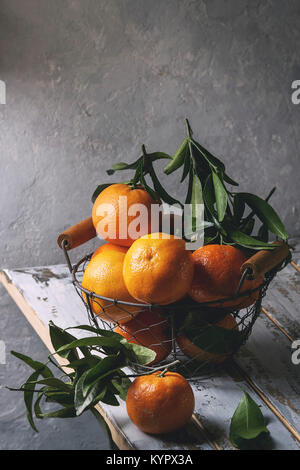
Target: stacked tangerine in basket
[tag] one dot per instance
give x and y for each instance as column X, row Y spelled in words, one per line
column 157, row 269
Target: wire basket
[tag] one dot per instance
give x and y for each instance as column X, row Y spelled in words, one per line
column 101, row 311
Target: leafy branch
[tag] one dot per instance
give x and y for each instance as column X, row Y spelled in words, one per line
column 89, row 378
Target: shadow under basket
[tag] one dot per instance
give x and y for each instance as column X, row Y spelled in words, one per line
column 169, row 318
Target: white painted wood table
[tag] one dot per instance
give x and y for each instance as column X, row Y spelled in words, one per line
column 263, row 366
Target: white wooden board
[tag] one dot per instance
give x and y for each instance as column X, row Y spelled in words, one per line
column 46, row 293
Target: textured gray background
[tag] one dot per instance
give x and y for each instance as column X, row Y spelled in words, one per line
column 87, row 82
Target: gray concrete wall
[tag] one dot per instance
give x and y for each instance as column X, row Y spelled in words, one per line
column 89, row 80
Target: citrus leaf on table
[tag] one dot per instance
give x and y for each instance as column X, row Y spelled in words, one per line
column 84, row 362
column 99, row 331
column 28, row 398
column 178, row 158
column 122, row 384
column 99, row 190
column 266, row 214
column 104, row 367
column 43, row 370
column 59, row 338
column 82, row 402
column 54, row 383
column 220, row 195
column 91, row 341
column 247, row 423
column 63, row 398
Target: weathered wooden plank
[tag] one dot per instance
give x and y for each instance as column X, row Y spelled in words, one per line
column 266, row 358
column 47, row 293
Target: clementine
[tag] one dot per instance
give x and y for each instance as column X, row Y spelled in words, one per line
column 217, row 275
column 116, row 216
column 103, row 276
column 109, row 246
column 195, row 352
column 160, row 403
column 158, row 269
column 151, row 330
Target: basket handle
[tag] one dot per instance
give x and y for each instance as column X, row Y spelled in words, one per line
column 265, row 260
column 77, row 235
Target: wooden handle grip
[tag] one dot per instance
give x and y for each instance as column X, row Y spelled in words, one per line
column 78, row 234
column 264, row 260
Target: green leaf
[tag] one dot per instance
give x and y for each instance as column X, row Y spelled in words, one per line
column 66, row 412
column 122, row 384
column 98, row 331
column 210, row 337
column 91, row 341
column 62, row 398
column 28, row 398
column 82, row 402
column 263, row 233
column 123, row 166
column 247, row 241
column 84, row 362
column 248, row 228
column 178, row 158
column 229, row 180
column 36, row 365
column 238, row 208
column 213, row 161
column 266, row 214
column 160, row 190
column 109, row 399
column 247, row 423
column 55, row 383
column 104, row 367
column 186, row 167
column 139, row 354
column 59, row 338
column 99, row 190
column 221, row 196
column 158, row 156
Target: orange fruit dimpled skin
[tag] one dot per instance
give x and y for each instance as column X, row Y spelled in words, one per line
column 217, row 275
column 117, row 213
column 103, row 276
column 158, row 270
column 158, row 405
column 194, row 352
column 108, row 247
column 151, row 330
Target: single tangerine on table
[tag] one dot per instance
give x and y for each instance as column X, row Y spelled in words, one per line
column 194, row 352
column 158, row 269
column 151, row 330
column 217, row 276
column 103, row 276
column 115, row 208
column 159, row 404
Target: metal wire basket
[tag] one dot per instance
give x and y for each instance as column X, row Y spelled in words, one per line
column 170, row 317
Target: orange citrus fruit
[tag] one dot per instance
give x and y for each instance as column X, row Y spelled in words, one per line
column 194, row 352
column 158, row 270
column 151, row 330
column 116, row 217
column 158, row 405
column 217, row 276
column 107, row 247
column 103, row 276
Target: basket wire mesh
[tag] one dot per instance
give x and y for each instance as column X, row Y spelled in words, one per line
column 168, row 319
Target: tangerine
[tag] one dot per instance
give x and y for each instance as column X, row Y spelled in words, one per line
column 151, row 330
column 115, row 211
column 217, row 276
column 158, row 269
column 160, row 402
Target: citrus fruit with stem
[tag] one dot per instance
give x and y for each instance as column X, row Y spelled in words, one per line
column 217, row 276
column 158, row 269
column 121, row 213
column 104, row 277
column 150, row 329
column 161, row 402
